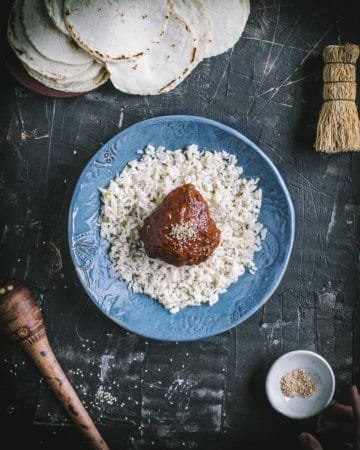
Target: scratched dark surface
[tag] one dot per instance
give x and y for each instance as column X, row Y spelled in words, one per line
column 206, row 394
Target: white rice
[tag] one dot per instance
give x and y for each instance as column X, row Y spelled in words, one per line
column 234, row 203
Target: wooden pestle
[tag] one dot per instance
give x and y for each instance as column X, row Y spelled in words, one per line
column 21, row 320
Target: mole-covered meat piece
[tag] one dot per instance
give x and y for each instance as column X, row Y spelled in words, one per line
column 181, row 231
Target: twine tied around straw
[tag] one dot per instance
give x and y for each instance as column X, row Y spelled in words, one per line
column 338, row 128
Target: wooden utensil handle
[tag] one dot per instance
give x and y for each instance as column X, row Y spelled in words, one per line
column 48, row 365
column 21, row 320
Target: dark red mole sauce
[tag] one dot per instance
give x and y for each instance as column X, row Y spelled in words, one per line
column 181, row 231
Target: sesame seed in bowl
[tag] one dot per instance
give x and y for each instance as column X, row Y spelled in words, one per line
column 300, row 384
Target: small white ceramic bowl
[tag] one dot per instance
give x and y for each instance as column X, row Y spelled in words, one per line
column 320, row 372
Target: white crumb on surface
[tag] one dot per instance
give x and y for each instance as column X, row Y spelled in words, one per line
column 105, row 396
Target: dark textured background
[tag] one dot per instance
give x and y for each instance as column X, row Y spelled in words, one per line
column 206, row 394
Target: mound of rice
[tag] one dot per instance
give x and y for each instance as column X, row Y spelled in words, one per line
column 234, row 203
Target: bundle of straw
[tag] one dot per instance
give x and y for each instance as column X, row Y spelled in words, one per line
column 338, row 128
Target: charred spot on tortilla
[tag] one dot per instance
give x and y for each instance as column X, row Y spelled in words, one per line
column 124, row 58
column 167, row 86
column 74, row 44
column 124, row 36
column 176, row 49
column 194, row 13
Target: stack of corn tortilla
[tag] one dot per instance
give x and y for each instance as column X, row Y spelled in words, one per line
column 145, row 47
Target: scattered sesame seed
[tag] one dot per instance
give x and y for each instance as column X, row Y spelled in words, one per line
column 105, row 397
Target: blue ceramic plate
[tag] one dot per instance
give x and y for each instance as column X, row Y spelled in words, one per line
column 138, row 312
